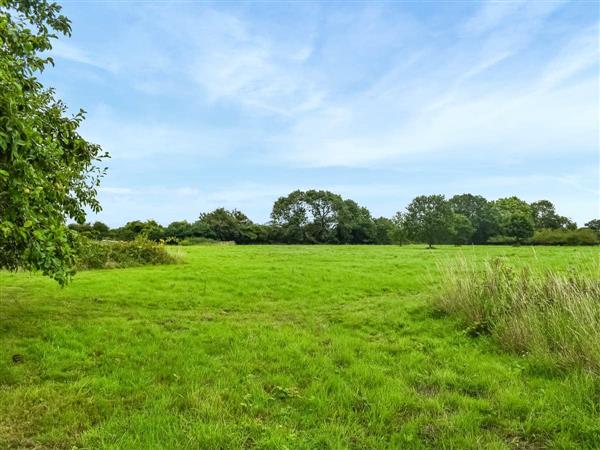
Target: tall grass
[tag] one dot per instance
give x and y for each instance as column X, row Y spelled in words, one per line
column 552, row 316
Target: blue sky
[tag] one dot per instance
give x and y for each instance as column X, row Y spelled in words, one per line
column 234, row 104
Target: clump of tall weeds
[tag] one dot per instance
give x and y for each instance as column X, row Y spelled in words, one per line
column 552, row 316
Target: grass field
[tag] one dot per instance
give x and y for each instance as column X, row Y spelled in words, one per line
column 276, row 347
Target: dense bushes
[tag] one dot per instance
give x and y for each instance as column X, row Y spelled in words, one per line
column 554, row 317
column 583, row 236
column 112, row 254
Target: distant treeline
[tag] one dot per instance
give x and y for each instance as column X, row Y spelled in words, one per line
column 322, row 217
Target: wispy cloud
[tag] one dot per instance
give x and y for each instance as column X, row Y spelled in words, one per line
column 311, row 88
column 134, row 138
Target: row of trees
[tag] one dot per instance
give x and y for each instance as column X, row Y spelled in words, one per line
column 316, row 217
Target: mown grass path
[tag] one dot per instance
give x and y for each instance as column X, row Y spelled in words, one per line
column 275, row 347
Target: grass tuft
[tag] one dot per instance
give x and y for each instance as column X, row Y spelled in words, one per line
column 550, row 315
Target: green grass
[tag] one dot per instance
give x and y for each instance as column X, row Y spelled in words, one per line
column 277, row 347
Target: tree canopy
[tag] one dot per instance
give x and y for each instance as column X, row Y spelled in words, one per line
column 322, row 217
column 48, row 172
column 429, row 219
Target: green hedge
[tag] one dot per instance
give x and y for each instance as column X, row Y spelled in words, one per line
column 114, row 254
column 582, row 236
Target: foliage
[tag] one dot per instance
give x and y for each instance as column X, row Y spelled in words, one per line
column 97, row 230
column 321, row 217
column 516, row 218
column 502, row 240
column 545, row 216
column 224, row 225
column 462, row 229
column 384, row 231
column 519, row 226
column 481, row 214
column 202, row 241
column 552, row 316
column 48, row 172
column 594, row 225
column 112, row 254
column 356, row 226
column 582, row 236
column 429, row 219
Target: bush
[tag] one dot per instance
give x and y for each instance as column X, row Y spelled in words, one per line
column 583, row 236
column 113, row 254
column 552, row 316
column 203, row 241
column 502, row 240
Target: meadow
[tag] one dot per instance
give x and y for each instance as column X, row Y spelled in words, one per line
column 278, row 347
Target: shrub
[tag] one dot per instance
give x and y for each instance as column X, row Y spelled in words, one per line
column 552, row 316
column 113, row 254
column 582, row 236
column 203, row 241
column 502, row 240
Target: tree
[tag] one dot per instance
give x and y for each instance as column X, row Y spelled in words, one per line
column 428, row 219
column 384, row 230
column 289, row 217
column 354, row 224
column 312, row 216
column 179, row 230
column 101, row 230
column 545, row 216
column 594, row 225
column 480, row 213
column 48, row 172
column 519, row 226
column 401, row 233
column 224, row 225
column 323, row 207
column 462, row 229
column 516, row 218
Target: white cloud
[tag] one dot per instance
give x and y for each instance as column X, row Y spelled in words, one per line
column 68, row 51
column 125, row 138
column 554, row 111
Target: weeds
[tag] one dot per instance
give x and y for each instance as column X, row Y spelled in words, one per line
column 117, row 254
column 552, row 316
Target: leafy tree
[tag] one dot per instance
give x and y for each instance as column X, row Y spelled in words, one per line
column 152, row 230
column 384, row 231
column 510, row 205
column 312, row 216
column 354, row 224
column 594, row 224
column 224, row 225
column 483, row 217
column 149, row 229
column 401, row 232
column 96, row 231
column 516, row 218
column 101, row 230
column 323, row 208
column 462, row 229
column 545, row 216
column 428, row 219
column 48, row 172
column 519, row 225
column 566, row 223
column 289, row 216
column 179, row 230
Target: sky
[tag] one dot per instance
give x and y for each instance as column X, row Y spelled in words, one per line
column 204, row 104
